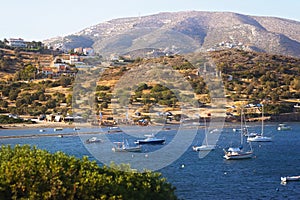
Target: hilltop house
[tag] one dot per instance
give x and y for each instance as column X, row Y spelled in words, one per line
column 19, row 42
column 47, row 71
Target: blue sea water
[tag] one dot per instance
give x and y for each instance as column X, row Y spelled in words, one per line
column 211, row 177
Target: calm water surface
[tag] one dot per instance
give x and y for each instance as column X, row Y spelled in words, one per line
column 211, row 177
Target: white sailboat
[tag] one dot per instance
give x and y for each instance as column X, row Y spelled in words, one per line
column 206, row 146
column 238, row 153
column 260, row 137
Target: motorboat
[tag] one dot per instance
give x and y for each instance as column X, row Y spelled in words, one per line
column 42, row 130
column 290, row 178
column 283, row 127
column 93, row 140
column 150, row 139
column 58, row 129
column 124, row 147
column 236, row 153
column 206, row 147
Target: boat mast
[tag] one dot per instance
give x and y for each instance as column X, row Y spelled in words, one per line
column 205, row 131
column 241, row 125
column 262, row 120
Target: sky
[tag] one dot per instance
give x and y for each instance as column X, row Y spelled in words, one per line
column 43, row 19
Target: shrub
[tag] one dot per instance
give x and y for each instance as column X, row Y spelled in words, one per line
column 30, row 173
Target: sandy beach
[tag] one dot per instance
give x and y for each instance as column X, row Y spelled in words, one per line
column 42, row 124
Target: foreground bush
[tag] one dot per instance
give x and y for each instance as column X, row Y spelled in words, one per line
column 30, row 173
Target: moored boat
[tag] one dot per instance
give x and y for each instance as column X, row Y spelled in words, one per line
column 260, row 137
column 237, row 154
column 58, row 129
column 150, row 139
column 203, row 148
column 290, row 178
column 206, row 146
column 283, row 127
column 124, row 147
column 93, row 140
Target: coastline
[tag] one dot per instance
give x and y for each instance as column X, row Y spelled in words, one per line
column 37, row 125
column 287, row 117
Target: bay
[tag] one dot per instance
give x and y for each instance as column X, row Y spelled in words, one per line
column 211, row 177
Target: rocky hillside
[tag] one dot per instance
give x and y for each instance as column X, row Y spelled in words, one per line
column 183, row 32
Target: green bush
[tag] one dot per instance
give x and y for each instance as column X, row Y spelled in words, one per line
column 30, row 173
column 4, row 119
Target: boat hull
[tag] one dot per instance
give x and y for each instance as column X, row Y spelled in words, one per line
column 162, row 141
column 204, row 148
column 239, row 156
column 284, row 128
column 290, row 178
column 259, row 139
column 129, row 149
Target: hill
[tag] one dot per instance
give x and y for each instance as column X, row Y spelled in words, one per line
column 247, row 76
column 183, row 32
column 12, row 61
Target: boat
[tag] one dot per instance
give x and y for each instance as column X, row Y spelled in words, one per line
column 283, row 127
column 150, row 139
column 93, row 140
column 42, row 130
column 58, row 129
column 236, row 130
column 76, row 128
column 124, row 147
column 206, row 146
column 260, row 137
column 238, row 153
column 290, row 178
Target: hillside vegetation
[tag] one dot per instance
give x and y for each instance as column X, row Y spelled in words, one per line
column 247, row 76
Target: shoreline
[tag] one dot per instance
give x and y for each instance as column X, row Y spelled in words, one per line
column 42, row 125
column 37, row 125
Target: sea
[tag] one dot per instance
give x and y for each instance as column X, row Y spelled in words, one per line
column 194, row 176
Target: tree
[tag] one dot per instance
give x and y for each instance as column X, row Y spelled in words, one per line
column 13, row 94
column 65, row 81
column 296, row 83
column 30, row 173
column 51, row 103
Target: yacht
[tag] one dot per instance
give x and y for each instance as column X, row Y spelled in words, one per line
column 150, row 139
column 124, row 147
column 283, row 127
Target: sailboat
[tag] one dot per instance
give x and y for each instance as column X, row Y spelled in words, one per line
column 238, row 153
column 260, row 137
column 206, row 146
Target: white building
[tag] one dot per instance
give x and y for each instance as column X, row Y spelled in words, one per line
column 88, row 51
column 13, row 42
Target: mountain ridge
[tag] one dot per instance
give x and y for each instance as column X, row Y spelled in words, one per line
column 188, row 31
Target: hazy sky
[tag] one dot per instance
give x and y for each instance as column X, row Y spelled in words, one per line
column 42, row 19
